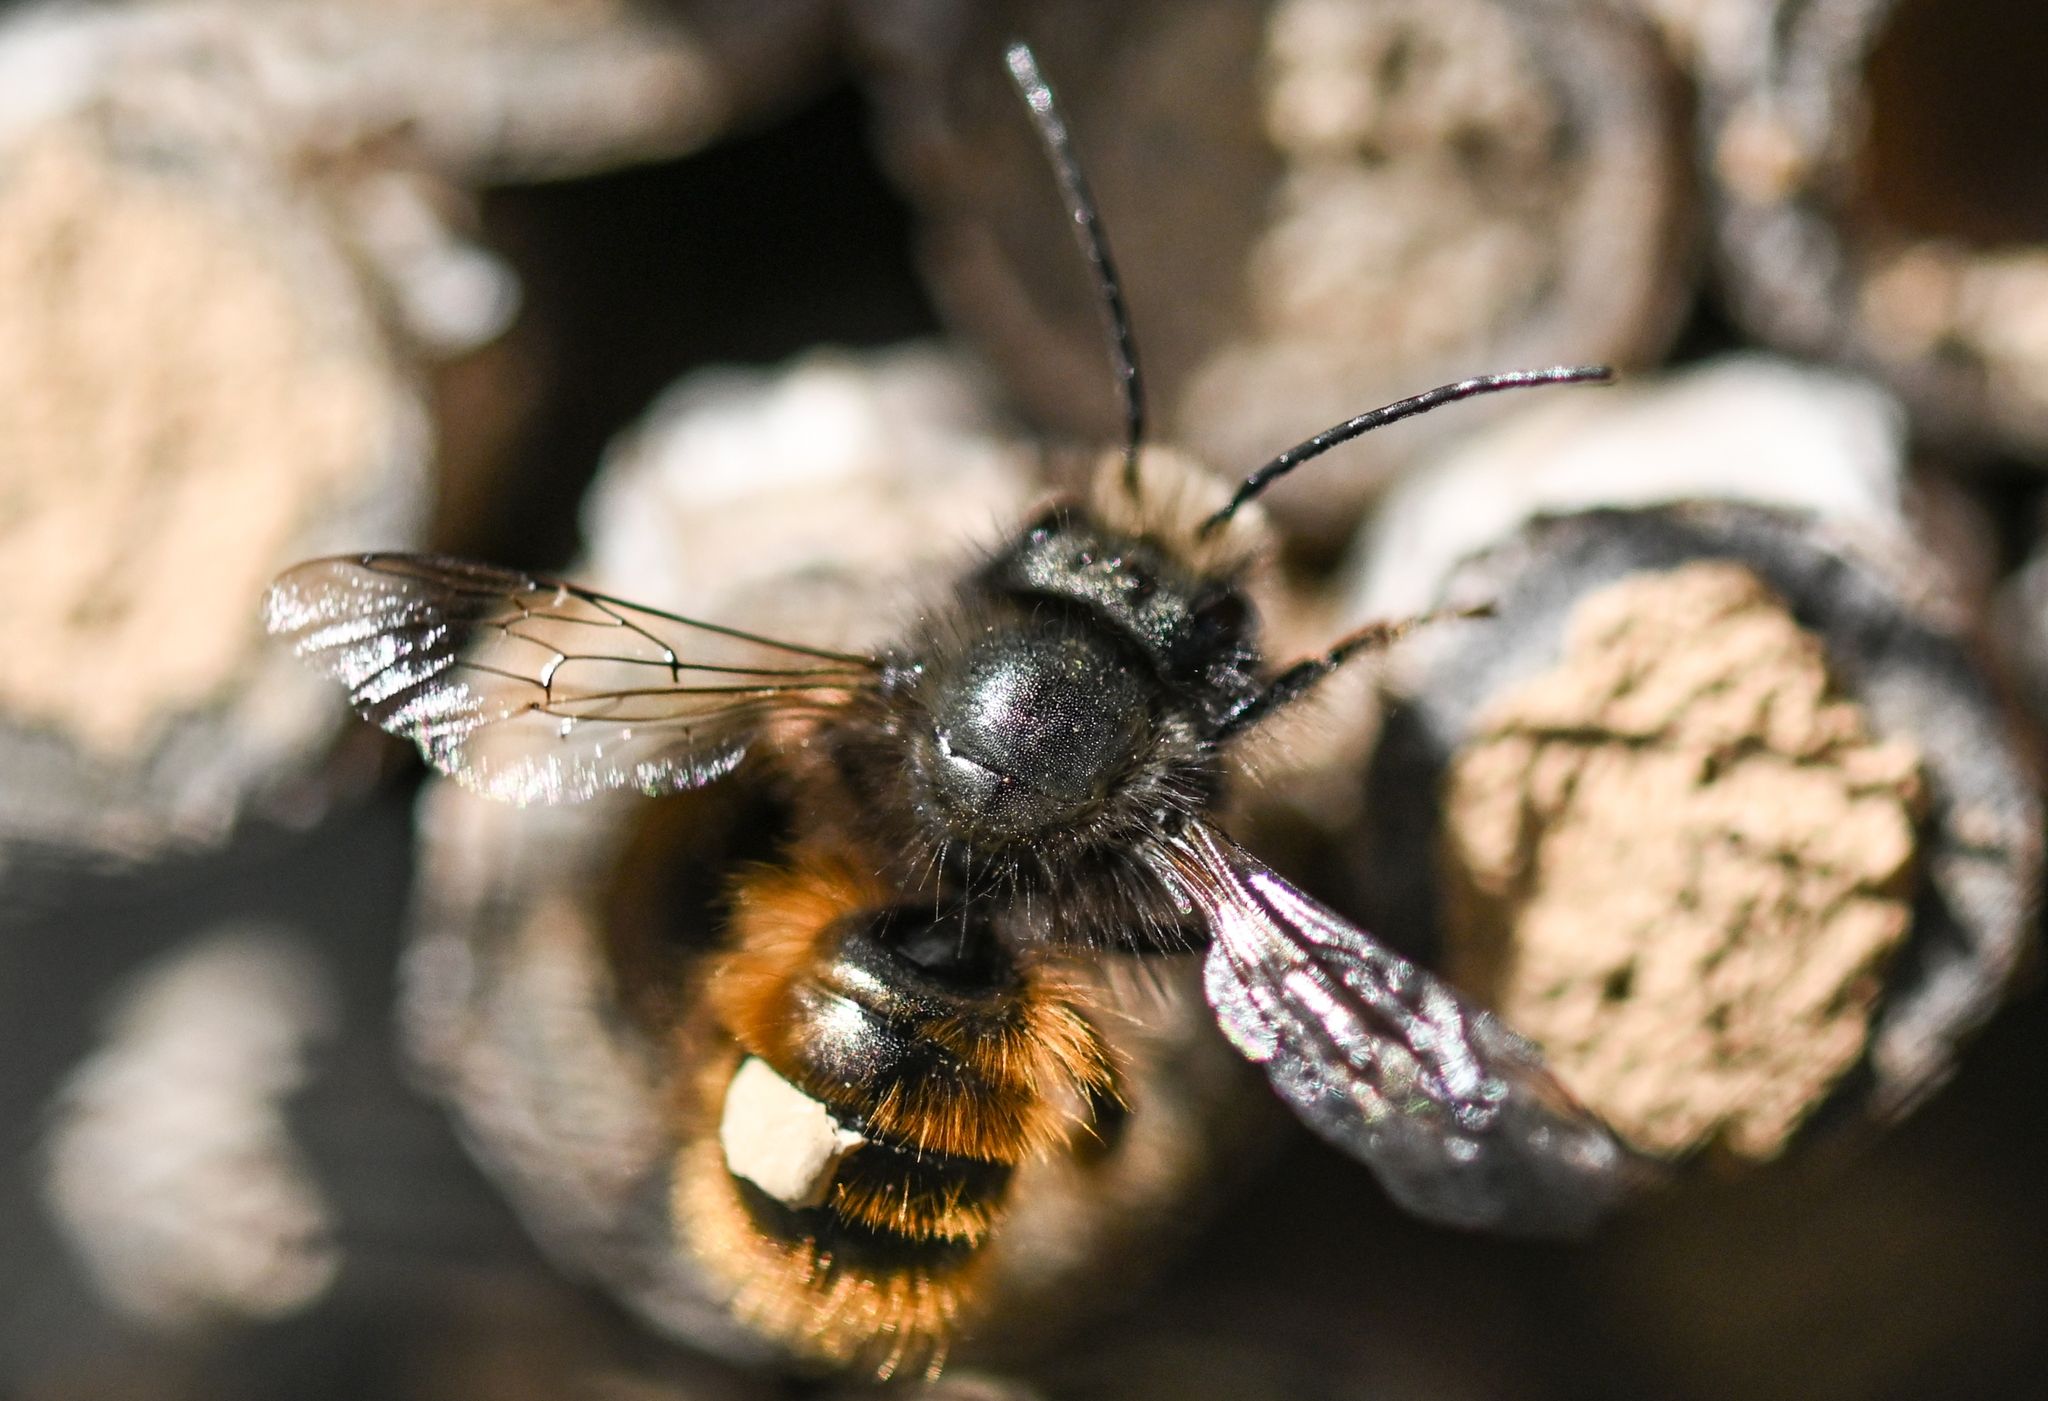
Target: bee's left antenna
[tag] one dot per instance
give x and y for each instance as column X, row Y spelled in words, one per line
column 1059, row 149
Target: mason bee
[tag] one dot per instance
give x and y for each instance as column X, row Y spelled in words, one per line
column 1025, row 784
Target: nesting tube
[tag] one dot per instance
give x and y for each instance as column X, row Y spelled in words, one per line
column 232, row 265
column 1876, row 199
column 1317, row 206
column 1717, row 806
column 483, row 91
column 198, row 386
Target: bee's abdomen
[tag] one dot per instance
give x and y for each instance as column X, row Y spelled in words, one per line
column 888, row 1210
column 919, row 1197
column 923, row 1034
column 888, row 1074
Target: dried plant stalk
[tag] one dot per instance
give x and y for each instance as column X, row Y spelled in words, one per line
column 1702, row 806
column 1646, row 840
column 168, row 1161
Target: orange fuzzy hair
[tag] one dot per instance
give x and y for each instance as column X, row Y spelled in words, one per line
column 1032, row 1069
column 796, row 1294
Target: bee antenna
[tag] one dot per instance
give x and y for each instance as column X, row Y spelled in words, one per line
column 1393, row 413
column 1116, row 316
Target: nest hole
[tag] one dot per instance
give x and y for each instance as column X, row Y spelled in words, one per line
column 1956, row 123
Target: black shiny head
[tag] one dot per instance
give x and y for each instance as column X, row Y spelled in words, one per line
column 1196, row 634
column 1076, row 702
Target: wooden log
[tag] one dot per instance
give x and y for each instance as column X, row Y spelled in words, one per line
column 1718, row 808
column 198, row 384
column 554, row 945
column 1874, row 199
column 1317, row 206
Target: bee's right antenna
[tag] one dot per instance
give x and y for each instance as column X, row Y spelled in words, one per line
column 1059, row 149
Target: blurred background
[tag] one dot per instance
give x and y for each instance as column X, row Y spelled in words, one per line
column 699, row 297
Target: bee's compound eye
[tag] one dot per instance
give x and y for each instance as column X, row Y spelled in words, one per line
column 1221, row 618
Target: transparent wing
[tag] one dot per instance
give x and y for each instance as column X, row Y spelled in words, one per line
column 531, row 690
column 1452, row 1110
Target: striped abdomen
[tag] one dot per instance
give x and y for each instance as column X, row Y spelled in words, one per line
column 880, row 1077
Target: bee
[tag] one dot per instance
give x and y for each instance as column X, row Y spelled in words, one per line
column 1025, row 784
